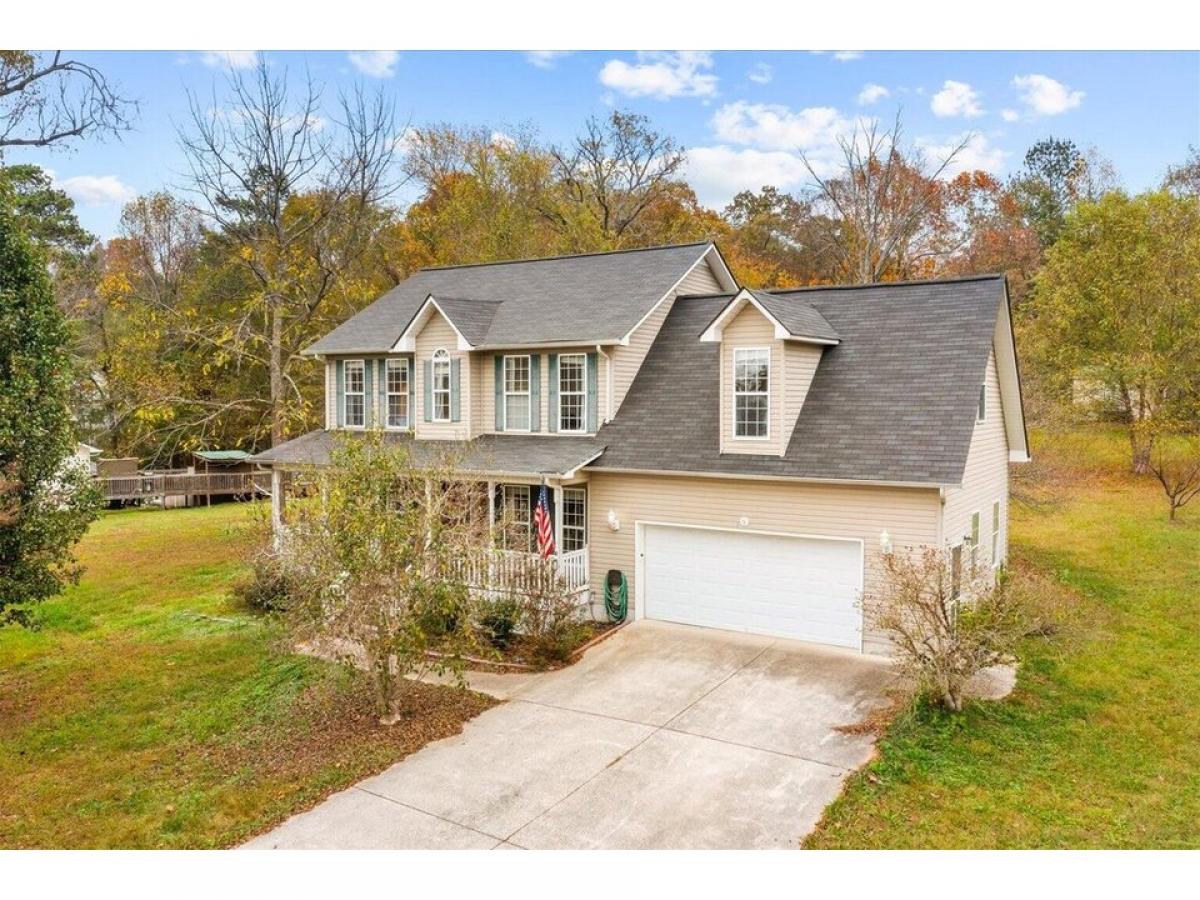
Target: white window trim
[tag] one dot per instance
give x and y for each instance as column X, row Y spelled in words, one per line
column 582, row 492
column 582, row 393
column 973, row 540
column 733, row 401
column 440, row 355
column 388, row 394
column 505, row 508
column 505, row 393
column 346, row 392
column 997, row 524
column 981, row 404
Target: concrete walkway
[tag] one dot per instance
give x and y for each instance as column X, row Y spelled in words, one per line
column 664, row 736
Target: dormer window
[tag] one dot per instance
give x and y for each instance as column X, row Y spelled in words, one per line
column 441, row 386
column 751, row 392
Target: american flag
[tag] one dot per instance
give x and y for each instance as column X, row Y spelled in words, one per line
column 541, row 521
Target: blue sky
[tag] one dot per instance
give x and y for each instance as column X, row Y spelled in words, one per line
column 742, row 115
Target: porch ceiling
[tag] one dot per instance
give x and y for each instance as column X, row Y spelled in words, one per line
column 489, row 454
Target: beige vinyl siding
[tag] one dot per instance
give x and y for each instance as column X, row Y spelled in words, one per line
column 437, row 334
column 985, row 479
column 486, row 394
column 750, row 328
column 700, row 280
column 627, row 360
column 910, row 516
column 800, row 365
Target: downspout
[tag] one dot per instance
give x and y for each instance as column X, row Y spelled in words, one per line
column 608, row 384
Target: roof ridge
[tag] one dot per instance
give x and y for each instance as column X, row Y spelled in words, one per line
column 511, row 262
column 882, row 284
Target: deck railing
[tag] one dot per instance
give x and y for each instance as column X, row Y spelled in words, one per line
column 155, row 485
column 515, row 571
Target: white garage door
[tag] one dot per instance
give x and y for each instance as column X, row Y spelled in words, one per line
column 801, row 588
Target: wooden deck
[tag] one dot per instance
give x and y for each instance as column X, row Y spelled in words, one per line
column 199, row 487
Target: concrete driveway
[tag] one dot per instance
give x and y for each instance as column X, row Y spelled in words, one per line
column 663, row 736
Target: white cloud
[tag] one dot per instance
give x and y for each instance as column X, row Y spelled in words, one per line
column 976, row 154
column 1043, row 96
column 776, row 127
column 544, row 59
column 956, row 98
column 761, row 74
column 662, row 75
column 872, row 93
column 503, row 141
column 717, row 173
column 95, row 190
column 375, row 63
column 1009, row 115
column 229, row 59
column 847, row 55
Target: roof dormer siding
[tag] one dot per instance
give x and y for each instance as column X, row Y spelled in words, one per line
column 749, row 331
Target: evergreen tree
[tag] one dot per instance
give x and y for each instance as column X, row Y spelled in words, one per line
column 46, row 500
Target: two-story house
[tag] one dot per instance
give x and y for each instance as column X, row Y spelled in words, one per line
column 742, row 457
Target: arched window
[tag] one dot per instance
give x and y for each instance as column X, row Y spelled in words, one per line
column 441, row 386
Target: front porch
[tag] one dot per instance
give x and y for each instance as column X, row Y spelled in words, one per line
column 509, row 560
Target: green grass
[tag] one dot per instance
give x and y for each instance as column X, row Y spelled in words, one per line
column 1099, row 746
column 149, row 709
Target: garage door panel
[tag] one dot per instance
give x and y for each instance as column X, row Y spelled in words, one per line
column 801, row 588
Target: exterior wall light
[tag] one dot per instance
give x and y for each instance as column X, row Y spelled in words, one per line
column 885, row 541
column 744, row 522
column 613, row 522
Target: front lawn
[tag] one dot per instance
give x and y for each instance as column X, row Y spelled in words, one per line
column 1100, row 744
column 149, row 709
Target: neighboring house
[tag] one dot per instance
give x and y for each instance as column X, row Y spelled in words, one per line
column 743, row 457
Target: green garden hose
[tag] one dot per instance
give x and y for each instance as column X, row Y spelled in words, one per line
column 616, row 596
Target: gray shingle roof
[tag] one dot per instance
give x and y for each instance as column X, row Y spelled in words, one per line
column 801, row 319
column 490, row 453
column 894, row 401
column 581, row 299
column 471, row 317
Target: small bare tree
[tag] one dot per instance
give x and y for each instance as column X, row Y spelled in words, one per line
column 373, row 563
column 946, row 625
column 1175, row 462
column 884, row 206
column 48, row 99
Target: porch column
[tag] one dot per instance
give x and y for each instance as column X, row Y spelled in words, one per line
column 278, row 503
column 491, row 489
column 558, row 515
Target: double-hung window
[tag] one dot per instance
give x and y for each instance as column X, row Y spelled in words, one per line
column 516, row 393
column 574, row 519
column 974, row 540
column 751, row 397
column 572, row 392
column 397, row 393
column 441, row 386
column 354, row 393
column 996, row 534
column 516, row 533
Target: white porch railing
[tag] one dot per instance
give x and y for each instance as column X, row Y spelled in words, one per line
column 514, row 571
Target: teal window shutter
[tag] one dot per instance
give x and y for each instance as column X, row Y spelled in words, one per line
column 368, row 393
column 499, row 385
column 593, row 411
column 552, row 376
column 535, row 393
column 381, row 402
column 341, row 394
column 455, row 384
column 428, row 364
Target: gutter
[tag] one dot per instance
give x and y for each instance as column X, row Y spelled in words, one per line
column 608, row 386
